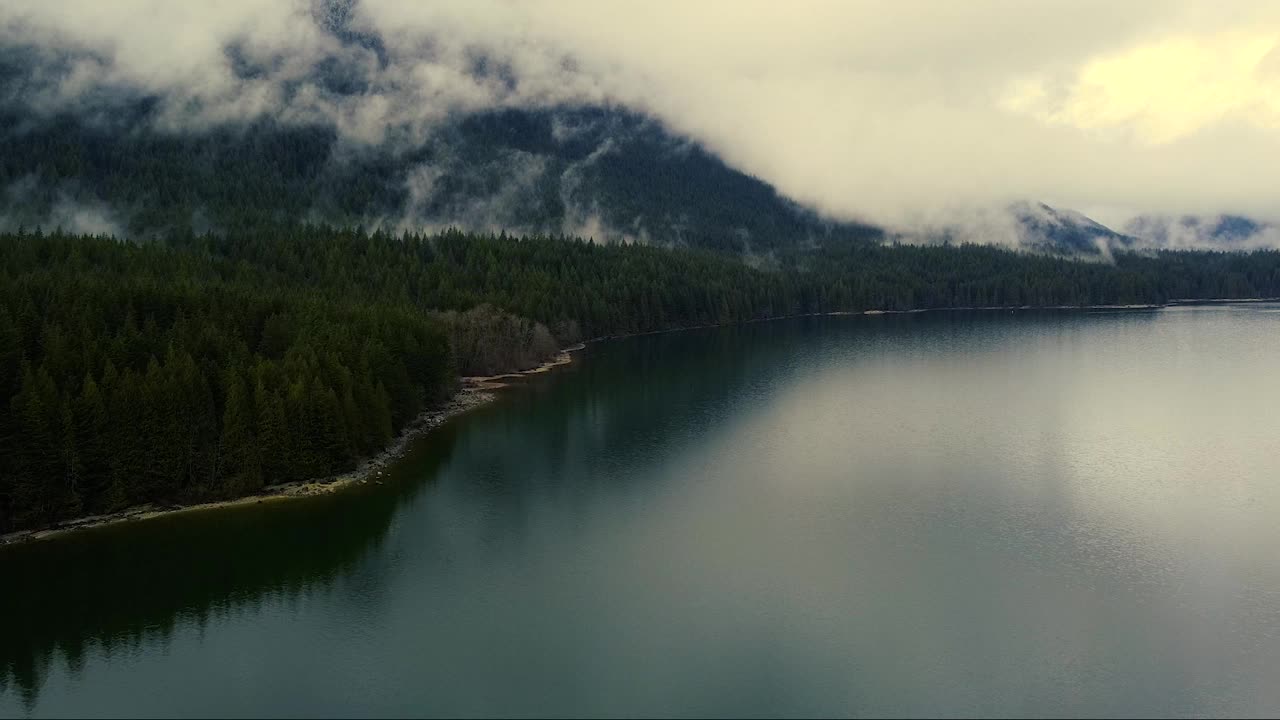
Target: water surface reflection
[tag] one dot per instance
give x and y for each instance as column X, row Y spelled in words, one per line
column 954, row 513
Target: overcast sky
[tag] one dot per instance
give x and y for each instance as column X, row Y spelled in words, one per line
column 879, row 110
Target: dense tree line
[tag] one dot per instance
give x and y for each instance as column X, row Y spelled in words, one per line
column 126, row 385
column 203, row 367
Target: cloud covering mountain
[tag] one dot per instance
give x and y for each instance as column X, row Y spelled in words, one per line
column 906, row 114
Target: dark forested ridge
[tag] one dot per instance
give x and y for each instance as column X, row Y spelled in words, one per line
column 203, row 367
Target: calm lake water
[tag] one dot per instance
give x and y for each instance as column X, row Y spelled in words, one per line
column 954, row 513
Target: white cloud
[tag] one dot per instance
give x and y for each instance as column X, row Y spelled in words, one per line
column 1164, row 91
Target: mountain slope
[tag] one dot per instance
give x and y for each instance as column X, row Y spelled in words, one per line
column 596, row 172
column 1051, row 229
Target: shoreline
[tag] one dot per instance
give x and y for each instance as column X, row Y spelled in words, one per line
column 474, row 391
column 1176, row 302
column 495, row 382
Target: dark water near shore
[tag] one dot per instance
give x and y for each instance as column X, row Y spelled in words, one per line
column 969, row 513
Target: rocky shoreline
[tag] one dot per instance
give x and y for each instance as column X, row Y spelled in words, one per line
column 474, row 392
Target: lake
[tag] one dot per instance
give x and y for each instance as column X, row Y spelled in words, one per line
column 966, row 513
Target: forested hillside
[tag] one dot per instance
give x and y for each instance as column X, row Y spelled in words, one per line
column 610, row 174
column 203, row 367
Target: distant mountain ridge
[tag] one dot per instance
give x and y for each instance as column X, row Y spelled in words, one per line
column 1023, row 225
column 1225, row 232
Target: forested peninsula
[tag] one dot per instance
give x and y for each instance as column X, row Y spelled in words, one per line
column 192, row 368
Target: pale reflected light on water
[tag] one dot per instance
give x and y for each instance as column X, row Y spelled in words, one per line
column 1050, row 513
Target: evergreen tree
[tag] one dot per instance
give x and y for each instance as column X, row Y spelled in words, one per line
column 94, row 455
column 240, row 468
